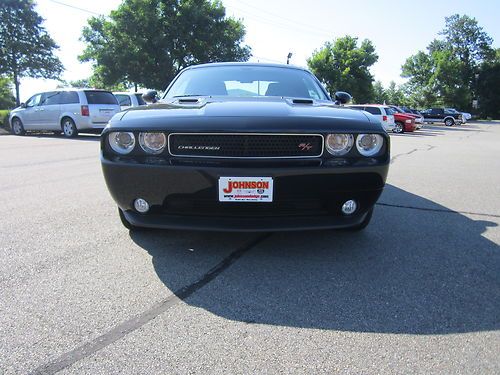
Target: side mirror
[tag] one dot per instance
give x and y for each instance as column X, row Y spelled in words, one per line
column 23, row 105
column 150, row 96
column 342, row 97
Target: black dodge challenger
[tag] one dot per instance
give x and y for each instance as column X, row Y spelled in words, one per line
column 245, row 147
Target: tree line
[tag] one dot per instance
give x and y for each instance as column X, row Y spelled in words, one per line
column 147, row 42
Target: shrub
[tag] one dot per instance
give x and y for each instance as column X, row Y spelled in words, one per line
column 4, row 118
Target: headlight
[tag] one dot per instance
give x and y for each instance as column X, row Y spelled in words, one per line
column 122, row 142
column 339, row 144
column 369, row 144
column 152, row 143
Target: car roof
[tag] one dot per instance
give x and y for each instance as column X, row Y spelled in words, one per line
column 371, row 105
column 286, row 66
column 127, row 93
column 76, row 89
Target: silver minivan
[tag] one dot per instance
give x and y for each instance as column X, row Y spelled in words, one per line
column 68, row 111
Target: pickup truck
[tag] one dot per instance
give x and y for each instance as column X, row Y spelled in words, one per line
column 443, row 115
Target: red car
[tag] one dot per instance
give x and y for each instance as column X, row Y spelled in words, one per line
column 405, row 122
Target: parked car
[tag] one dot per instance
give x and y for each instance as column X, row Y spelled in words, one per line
column 129, row 99
column 208, row 157
column 408, row 126
column 381, row 112
column 67, row 111
column 442, row 115
column 411, row 110
column 466, row 116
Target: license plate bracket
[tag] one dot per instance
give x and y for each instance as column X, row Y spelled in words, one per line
column 245, row 189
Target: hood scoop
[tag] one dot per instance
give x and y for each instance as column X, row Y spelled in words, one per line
column 302, row 101
column 188, row 101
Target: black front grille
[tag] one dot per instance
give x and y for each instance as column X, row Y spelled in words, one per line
column 210, row 207
column 246, row 145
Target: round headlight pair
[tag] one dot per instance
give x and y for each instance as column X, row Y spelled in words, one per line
column 152, row 142
column 369, row 144
column 366, row 144
column 339, row 144
column 124, row 142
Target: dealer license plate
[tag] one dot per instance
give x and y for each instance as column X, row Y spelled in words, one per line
column 245, row 189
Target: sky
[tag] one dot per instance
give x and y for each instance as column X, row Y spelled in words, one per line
column 398, row 29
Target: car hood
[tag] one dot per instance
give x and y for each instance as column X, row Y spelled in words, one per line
column 17, row 109
column 237, row 114
column 405, row 116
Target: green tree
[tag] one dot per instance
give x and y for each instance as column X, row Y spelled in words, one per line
column 7, row 100
column 343, row 65
column 395, row 95
column 93, row 82
column 469, row 43
column 420, row 90
column 445, row 74
column 488, row 88
column 379, row 95
column 26, row 49
column 147, row 42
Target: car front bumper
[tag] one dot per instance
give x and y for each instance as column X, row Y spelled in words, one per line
column 411, row 127
column 183, row 193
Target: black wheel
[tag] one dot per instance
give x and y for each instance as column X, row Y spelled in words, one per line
column 69, row 128
column 399, row 128
column 127, row 223
column 364, row 223
column 17, row 127
column 449, row 122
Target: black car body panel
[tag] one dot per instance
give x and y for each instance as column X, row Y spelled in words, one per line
column 241, row 114
column 182, row 190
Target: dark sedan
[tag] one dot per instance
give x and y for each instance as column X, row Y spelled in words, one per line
column 245, row 147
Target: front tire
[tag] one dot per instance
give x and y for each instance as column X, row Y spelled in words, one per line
column 17, row 127
column 364, row 223
column 399, row 128
column 127, row 224
column 449, row 122
column 69, row 128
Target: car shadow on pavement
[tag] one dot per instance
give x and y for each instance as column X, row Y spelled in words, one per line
column 420, row 269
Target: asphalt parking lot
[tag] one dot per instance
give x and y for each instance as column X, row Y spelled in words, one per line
column 417, row 292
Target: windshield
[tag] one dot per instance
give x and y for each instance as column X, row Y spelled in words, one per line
column 390, row 111
column 398, row 110
column 246, row 81
column 451, row 110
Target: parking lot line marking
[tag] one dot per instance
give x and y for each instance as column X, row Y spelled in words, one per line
column 435, row 209
column 123, row 329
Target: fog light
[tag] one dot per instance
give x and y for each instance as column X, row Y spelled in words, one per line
column 349, row 207
column 141, row 205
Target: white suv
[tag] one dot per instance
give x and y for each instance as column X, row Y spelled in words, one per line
column 382, row 112
column 67, row 111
